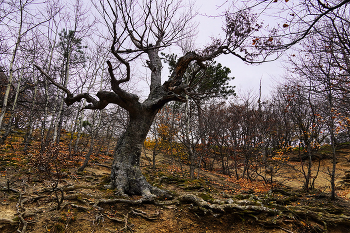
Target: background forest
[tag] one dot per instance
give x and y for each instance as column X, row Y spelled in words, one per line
column 300, row 127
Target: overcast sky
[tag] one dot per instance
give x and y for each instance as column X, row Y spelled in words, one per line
column 247, row 77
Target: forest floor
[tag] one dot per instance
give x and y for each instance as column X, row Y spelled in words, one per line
column 81, row 202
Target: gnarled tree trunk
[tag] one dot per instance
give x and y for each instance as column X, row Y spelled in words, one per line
column 126, row 175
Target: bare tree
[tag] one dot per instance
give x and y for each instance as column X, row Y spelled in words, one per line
column 140, row 31
column 24, row 22
column 324, row 60
column 293, row 21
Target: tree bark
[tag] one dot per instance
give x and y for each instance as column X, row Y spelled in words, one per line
column 29, row 126
column 14, row 105
column 126, row 175
column 94, row 136
column 11, row 71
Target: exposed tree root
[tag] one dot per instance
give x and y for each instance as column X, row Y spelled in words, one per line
column 126, row 225
column 79, row 207
column 123, row 220
column 20, row 212
column 66, row 188
column 145, row 215
column 114, row 219
column 286, row 230
column 114, row 201
column 265, row 214
column 98, row 219
column 278, row 213
column 32, row 199
column 103, row 165
column 319, row 215
column 79, row 196
column 9, row 190
column 5, row 221
column 267, row 211
column 75, row 187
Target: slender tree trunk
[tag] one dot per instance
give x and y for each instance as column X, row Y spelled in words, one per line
column 201, row 134
column 80, row 126
column 331, row 129
column 50, row 130
column 88, row 155
column 192, row 162
column 44, row 120
column 334, row 161
column 154, row 154
column 9, row 126
column 236, row 162
column 92, row 142
column 9, row 84
column 109, row 137
column 188, row 140
column 58, row 124
column 59, row 120
column 29, row 125
column 74, row 127
column 44, row 140
column 309, row 168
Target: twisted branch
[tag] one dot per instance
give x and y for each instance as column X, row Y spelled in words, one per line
column 105, row 97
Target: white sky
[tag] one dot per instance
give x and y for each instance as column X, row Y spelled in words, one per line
column 247, row 76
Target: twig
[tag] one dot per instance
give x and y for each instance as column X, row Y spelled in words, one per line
column 102, row 165
column 286, row 230
column 98, row 219
column 115, row 219
column 126, row 225
column 145, row 215
column 58, row 200
column 79, row 207
column 20, row 215
column 32, row 199
column 10, row 189
column 112, row 201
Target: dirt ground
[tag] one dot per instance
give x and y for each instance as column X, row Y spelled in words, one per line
column 292, row 176
column 28, row 204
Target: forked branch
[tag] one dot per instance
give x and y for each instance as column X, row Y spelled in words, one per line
column 53, row 81
column 183, row 63
column 105, row 97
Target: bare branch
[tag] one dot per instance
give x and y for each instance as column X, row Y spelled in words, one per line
column 183, row 63
column 126, row 96
column 307, row 31
column 105, row 97
column 53, row 81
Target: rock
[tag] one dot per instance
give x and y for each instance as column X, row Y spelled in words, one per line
column 7, row 217
column 230, row 201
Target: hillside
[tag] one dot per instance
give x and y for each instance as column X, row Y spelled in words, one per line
column 61, row 199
